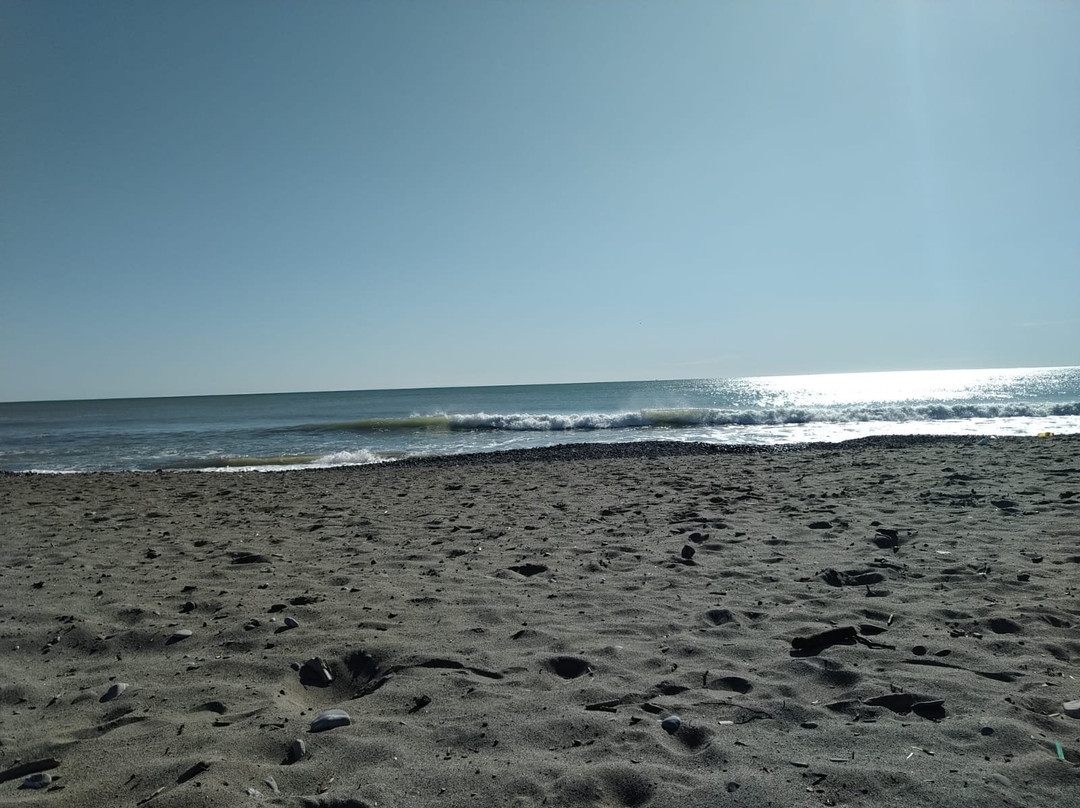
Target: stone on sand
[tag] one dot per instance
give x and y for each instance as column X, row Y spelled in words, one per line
column 296, row 752
column 671, row 724
column 330, row 719
column 114, row 691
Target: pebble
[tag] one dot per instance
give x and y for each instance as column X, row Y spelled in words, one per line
column 1071, row 708
column 687, row 552
column 671, row 724
column 296, row 753
column 317, row 670
column 114, row 691
column 291, row 622
column 329, row 720
column 1001, row 778
column 39, row 780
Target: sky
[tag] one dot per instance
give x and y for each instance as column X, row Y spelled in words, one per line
column 202, row 197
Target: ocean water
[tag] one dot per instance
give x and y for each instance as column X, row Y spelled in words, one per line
column 297, row 430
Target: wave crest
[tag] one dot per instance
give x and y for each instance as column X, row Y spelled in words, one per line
column 693, row 417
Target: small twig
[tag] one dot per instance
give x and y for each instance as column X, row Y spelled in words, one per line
column 145, row 800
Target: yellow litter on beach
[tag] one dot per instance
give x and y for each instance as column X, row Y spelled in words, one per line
column 1046, row 434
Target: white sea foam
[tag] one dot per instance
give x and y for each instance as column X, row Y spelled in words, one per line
column 356, row 457
column 688, row 417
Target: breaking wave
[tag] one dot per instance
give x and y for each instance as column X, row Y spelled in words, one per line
column 284, row 462
column 690, row 417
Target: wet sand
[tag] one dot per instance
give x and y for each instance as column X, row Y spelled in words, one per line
column 887, row 622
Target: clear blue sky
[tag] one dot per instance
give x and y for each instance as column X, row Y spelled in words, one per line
column 211, row 197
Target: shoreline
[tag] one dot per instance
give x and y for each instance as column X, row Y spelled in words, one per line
column 512, row 628
column 589, row 451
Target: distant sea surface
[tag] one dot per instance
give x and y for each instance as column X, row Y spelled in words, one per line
column 303, row 430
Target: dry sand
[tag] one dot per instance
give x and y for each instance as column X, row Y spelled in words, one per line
column 511, row 631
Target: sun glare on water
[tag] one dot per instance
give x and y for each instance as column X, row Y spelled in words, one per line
column 893, row 386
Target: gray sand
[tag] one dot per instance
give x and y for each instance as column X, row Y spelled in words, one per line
column 511, row 631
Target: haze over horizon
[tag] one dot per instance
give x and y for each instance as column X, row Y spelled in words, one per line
column 875, row 380
column 272, row 196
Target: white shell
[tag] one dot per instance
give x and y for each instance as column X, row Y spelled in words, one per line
column 329, row 720
column 39, row 780
column 180, row 634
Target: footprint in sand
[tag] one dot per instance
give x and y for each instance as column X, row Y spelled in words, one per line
column 568, row 667
column 735, row 684
column 1000, row 625
column 720, row 617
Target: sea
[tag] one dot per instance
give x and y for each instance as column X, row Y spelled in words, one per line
column 278, row 431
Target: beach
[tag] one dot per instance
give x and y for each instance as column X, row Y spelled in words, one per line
column 887, row 621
